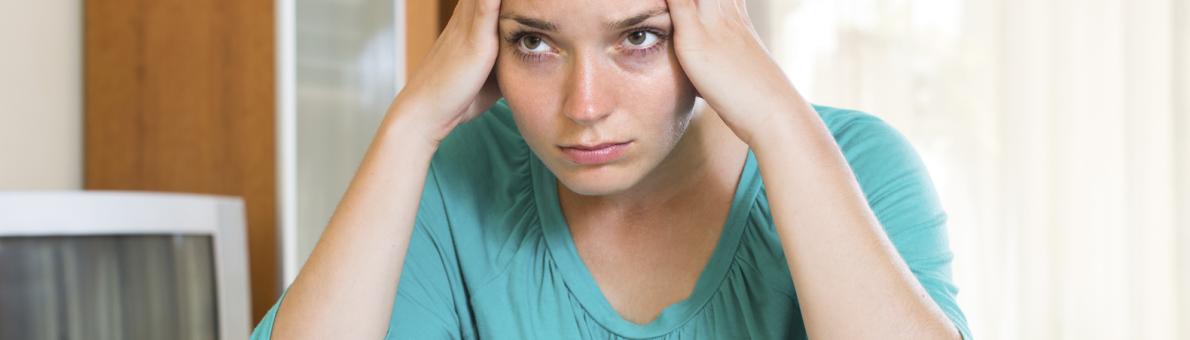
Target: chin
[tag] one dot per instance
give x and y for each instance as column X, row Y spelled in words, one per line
column 599, row 181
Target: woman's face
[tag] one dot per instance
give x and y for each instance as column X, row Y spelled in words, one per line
column 594, row 87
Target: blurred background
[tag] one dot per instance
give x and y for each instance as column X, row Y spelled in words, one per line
column 1057, row 131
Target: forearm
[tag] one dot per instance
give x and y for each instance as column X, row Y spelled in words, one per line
column 850, row 280
column 346, row 287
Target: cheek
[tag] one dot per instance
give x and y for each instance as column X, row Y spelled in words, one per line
column 664, row 93
column 529, row 97
column 680, row 86
column 652, row 97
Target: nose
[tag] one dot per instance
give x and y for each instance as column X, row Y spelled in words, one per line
column 587, row 100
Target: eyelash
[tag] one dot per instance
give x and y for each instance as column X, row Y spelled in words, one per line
column 514, row 39
column 660, row 44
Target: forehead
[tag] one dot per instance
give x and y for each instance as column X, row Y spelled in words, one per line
column 578, row 11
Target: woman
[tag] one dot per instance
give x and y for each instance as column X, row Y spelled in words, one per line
column 592, row 202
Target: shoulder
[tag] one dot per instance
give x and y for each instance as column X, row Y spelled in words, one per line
column 484, row 155
column 857, row 131
column 877, row 152
column 486, row 139
column 888, row 168
column 484, row 158
column 894, row 180
column 481, row 177
column 902, row 195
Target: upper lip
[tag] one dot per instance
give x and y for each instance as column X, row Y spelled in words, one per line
column 592, row 146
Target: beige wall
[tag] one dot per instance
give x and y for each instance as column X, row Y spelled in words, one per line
column 40, row 95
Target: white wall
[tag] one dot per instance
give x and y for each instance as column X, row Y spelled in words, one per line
column 40, row 95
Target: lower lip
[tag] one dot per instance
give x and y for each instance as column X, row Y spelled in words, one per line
column 596, row 156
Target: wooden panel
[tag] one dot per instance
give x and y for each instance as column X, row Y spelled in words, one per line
column 421, row 24
column 445, row 9
column 179, row 98
column 424, row 21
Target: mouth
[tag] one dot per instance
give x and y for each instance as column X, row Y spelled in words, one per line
column 595, row 154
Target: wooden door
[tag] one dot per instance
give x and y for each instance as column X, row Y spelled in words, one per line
column 178, row 97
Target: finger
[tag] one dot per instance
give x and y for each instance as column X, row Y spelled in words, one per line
column 485, row 16
column 740, row 8
column 682, row 10
column 486, row 10
column 711, row 8
column 460, row 16
column 722, row 9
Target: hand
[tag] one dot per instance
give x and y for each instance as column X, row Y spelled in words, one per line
column 456, row 81
column 725, row 60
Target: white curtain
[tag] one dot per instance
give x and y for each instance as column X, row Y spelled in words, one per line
column 1057, row 131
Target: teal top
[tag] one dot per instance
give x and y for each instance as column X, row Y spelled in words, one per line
column 491, row 256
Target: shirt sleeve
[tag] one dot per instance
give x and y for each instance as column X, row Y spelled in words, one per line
column 264, row 329
column 430, row 296
column 904, row 200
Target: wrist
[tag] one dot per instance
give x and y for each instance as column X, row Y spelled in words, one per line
column 408, row 123
column 789, row 127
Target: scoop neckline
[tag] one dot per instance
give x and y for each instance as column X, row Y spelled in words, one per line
column 582, row 284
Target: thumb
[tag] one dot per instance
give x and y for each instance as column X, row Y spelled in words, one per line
column 682, row 10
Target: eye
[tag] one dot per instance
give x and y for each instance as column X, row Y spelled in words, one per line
column 532, row 44
column 642, row 39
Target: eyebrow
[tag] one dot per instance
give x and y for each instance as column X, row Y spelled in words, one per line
column 617, row 24
column 636, row 19
column 531, row 22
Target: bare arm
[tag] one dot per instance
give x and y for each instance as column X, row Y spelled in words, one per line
column 346, row 288
column 851, row 282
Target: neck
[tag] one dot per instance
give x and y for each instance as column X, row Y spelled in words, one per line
column 707, row 160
